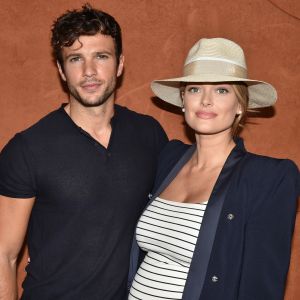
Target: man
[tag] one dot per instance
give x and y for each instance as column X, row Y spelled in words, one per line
column 79, row 178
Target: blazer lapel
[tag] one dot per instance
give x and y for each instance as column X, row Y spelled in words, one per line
column 135, row 256
column 174, row 171
column 203, row 248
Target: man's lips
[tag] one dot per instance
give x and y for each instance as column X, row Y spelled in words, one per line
column 205, row 115
column 90, row 86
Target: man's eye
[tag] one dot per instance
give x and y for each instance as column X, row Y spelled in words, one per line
column 193, row 90
column 222, row 91
column 102, row 56
column 74, row 59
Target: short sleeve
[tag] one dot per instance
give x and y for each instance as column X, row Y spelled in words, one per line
column 16, row 175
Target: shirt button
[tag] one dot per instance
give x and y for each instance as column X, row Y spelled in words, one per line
column 109, row 154
column 214, row 278
column 230, row 217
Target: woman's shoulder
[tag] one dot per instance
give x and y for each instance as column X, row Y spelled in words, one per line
column 258, row 162
column 270, row 164
column 176, row 145
column 170, row 155
column 273, row 184
column 173, row 150
column 264, row 171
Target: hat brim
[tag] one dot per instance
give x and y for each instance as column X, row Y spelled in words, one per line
column 261, row 94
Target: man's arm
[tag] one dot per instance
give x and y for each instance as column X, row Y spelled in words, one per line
column 14, row 216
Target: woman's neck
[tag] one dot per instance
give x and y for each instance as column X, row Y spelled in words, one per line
column 212, row 150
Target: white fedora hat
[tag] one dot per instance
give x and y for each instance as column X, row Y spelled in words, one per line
column 215, row 60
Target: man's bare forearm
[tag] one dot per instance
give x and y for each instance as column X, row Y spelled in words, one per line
column 14, row 217
column 8, row 282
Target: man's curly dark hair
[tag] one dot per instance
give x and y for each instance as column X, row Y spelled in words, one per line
column 88, row 21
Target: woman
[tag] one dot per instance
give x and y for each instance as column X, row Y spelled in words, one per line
column 220, row 221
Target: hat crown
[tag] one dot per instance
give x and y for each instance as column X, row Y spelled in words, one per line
column 217, row 49
column 215, row 60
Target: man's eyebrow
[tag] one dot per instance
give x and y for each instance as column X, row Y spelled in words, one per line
column 73, row 54
column 104, row 52
column 107, row 52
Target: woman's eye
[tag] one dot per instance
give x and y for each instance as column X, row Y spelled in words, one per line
column 222, row 91
column 193, row 89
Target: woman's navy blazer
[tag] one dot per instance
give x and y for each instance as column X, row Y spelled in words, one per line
column 243, row 248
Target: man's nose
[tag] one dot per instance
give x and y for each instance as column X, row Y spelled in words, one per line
column 89, row 69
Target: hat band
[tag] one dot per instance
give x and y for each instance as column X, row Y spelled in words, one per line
column 215, row 67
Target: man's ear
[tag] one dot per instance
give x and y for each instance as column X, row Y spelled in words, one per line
column 121, row 65
column 61, row 72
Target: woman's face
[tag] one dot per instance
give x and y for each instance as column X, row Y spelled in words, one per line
column 210, row 108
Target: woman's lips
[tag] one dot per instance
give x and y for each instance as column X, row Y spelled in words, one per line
column 205, row 115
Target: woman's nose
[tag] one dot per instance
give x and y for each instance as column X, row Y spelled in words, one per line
column 206, row 98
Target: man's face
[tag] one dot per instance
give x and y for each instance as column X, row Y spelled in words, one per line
column 90, row 69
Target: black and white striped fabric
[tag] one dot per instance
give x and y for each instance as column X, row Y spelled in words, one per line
column 168, row 231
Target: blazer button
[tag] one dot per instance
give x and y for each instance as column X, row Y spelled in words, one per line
column 214, row 278
column 230, row 217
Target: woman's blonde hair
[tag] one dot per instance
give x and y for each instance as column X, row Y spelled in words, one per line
column 241, row 91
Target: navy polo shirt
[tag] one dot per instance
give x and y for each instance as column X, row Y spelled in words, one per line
column 88, row 200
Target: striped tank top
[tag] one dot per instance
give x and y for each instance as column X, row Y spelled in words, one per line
column 168, row 232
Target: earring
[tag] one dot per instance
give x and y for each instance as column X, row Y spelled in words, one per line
column 183, row 109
